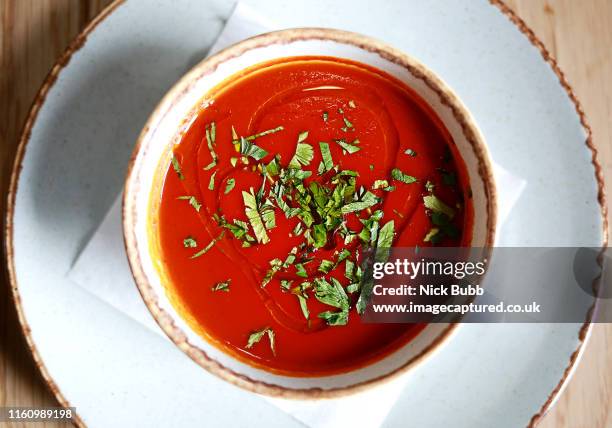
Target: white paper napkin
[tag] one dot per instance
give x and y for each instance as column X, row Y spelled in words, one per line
column 102, row 269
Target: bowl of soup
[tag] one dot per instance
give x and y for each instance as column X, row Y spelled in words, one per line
column 261, row 179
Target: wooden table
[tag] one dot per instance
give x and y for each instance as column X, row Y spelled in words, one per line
column 33, row 33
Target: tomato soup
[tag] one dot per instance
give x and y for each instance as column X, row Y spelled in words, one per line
column 290, row 171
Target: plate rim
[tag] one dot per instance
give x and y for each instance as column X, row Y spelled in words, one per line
column 79, row 41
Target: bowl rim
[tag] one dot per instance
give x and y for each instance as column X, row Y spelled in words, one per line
column 209, row 65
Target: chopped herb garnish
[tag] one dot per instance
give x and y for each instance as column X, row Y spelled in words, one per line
column 211, row 182
column 400, row 176
column 275, row 266
column 249, row 149
column 222, row 286
column 177, row 168
column 303, row 306
column 410, row 152
column 210, row 140
column 209, row 246
column 303, row 155
column 252, row 213
column 347, row 123
column 210, row 165
column 256, row 336
column 380, row 184
column 367, row 200
column 286, row 284
column 300, row 270
column 328, row 162
column 325, row 116
column 229, row 185
column 349, row 148
column 436, row 205
column 264, row 133
column 319, row 235
column 351, row 104
column 433, row 236
column 385, row 235
column 326, row 266
column 429, row 186
column 332, row 294
column 192, row 201
column 189, row 242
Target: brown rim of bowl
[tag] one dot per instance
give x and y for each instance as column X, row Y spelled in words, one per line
column 208, row 66
column 80, row 40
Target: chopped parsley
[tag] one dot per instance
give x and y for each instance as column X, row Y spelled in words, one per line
column 229, row 185
column 348, row 148
column 209, row 246
column 192, row 201
column 177, row 167
column 256, row 337
column 222, row 286
column 398, row 175
column 189, row 242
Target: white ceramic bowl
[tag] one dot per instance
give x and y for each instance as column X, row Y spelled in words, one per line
column 171, row 119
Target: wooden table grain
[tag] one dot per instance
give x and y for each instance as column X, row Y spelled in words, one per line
column 33, row 33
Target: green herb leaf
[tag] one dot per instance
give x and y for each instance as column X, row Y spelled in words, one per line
column 192, row 201
column 300, row 270
column 400, row 176
column 326, row 266
column 249, row 149
column 410, row 152
column 347, row 123
column 350, row 148
column 319, row 235
column 436, row 205
column 275, row 266
column 433, row 236
column 331, row 294
column 210, row 140
column 367, row 200
column 304, row 154
column 211, row 183
column 229, row 185
column 379, row 184
column 264, row 133
column 334, row 318
column 303, row 306
column 252, row 213
column 256, row 337
column 325, row 116
column 209, row 246
column 210, row 165
column 385, row 235
column 328, row 162
column 222, row 286
column 189, row 242
column 177, row 168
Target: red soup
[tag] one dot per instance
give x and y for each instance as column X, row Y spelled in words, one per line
column 288, row 173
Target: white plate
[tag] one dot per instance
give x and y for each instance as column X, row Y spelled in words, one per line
column 81, row 133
